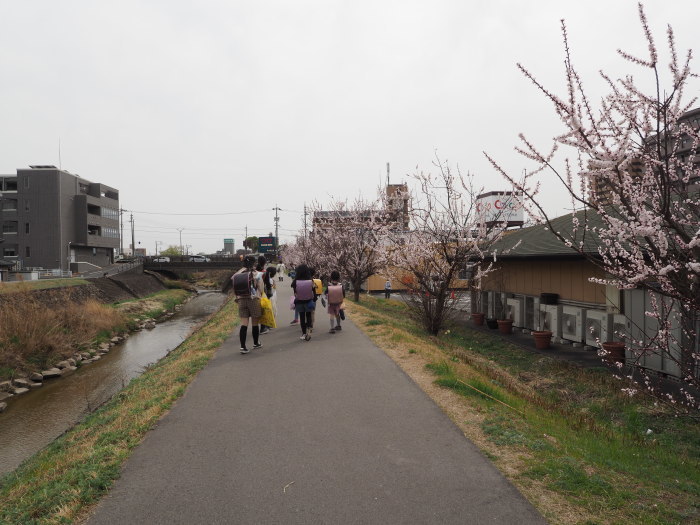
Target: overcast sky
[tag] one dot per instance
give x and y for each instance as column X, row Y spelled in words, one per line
column 223, row 107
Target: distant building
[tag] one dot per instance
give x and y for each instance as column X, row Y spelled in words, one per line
column 229, row 246
column 395, row 213
column 56, row 220
column 681, row 147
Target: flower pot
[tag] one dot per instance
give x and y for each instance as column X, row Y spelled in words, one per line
column 505, row 326
column 492, row 323
column 543, row 339
column 478, row 318
column 614, row 352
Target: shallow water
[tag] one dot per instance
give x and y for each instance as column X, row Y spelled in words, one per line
column 35, row 419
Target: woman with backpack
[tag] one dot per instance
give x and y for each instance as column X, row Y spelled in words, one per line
column 248, row 289
column 335, row 295
column 267, row 286
column 304, row 299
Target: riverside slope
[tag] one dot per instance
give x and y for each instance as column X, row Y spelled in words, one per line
column 325, row 431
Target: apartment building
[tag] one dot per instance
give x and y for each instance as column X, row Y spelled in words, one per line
column 53, row 219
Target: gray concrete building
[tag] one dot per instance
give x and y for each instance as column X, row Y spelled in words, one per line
column 53, row 219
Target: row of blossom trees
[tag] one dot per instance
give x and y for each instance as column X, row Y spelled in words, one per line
column 633, row 178
column 345, row 237
column 445, row 235
column 635, row 175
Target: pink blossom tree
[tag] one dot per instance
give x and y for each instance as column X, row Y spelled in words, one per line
column 633, row 177
column 346, row 236
column 447, row 235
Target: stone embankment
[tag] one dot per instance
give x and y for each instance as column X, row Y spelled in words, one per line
column 21, row 385
column 129, row 285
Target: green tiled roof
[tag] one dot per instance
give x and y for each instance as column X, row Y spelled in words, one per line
column 539, row 241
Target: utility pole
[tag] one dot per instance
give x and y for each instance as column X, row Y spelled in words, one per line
column 277, row 224
column 180, row 230
column 245, row 240
column 121, row 231
column 305, row 213
column 133, row 239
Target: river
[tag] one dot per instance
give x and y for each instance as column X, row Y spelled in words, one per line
column 37, row 418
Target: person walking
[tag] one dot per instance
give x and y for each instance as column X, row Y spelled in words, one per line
column 304, row 299
column 387, row 289
column 260, row 268
column 280, row 271
column 335, row 294
column 318, row 291
column 248, row 289
column 271, row 291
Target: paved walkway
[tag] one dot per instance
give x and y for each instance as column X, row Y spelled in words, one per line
column 325, row 431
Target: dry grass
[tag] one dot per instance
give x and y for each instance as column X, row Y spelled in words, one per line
column 59, row 484
column 211, row 279
column 43, row 284
column 34, row 335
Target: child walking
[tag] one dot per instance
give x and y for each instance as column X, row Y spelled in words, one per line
column 304, row 299
column 335, row 294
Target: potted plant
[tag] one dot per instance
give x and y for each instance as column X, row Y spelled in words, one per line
column 477, row 311
column 505, row 324
column 614, row 352
column 543, row 338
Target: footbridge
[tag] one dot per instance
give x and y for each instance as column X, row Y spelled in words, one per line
column 181, row 268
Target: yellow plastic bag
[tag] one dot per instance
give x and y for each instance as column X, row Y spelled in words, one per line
column 267, row 318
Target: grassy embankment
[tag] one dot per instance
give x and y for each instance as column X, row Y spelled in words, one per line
column 34, row 335
column 576, row 446
column 43, row 284
column 60, row 483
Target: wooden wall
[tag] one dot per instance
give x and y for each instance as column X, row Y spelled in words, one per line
column 566, row 277
column 375, row 283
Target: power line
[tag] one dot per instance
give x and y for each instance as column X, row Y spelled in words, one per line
column 210, row 214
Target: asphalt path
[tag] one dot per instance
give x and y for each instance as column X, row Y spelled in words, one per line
column 324, row 431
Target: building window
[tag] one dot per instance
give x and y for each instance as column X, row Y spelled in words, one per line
column 9, row 227
column 110, row 213
column 9, row 252
column 26, row 228
column 9, row 204
column 26, row 205
column 27, row 251
column 94, row 251
column 112, row 233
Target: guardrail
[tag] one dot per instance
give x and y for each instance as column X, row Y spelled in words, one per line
column 55, row 274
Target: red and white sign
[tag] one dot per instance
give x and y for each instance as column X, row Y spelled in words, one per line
column 500, row 207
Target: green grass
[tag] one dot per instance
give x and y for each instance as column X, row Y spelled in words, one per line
column 575, row 432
